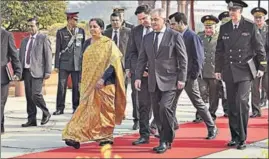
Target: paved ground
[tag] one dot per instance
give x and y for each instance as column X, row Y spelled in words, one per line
column 17, row 140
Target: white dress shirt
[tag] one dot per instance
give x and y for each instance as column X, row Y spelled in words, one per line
column 27, row 47
column 160, row 36
column 118, row 37
column 145, row 31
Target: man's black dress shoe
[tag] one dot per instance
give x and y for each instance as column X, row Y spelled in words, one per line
column 45, row 119
column 72, row 143
column 255, row 115
column 162, row 147
column 29, row 123
column 197, row 120
column 232, row 143
column 140, row 141
column 225, row 115
column 136, row 125
column 58, row 112
column 242, row 145
column 103, row 143
column 212, row 134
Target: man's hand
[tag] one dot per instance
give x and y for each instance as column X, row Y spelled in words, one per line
column 16, row 78
column 145, row 74
column 100, row 84
column 180, row 85
column 218, row 76
column 56, row 70
column 260, row 73
column 137, row 85
column 47, row 76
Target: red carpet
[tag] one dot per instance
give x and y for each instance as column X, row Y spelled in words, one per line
column 189, row 143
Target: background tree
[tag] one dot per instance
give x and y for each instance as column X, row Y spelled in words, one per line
column 15, row 13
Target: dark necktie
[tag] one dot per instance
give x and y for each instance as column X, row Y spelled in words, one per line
column 155, row 44
column 235, row 27
column 29, row 50
column 115, row 38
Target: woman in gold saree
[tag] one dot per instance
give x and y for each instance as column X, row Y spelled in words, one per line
column 102, row 101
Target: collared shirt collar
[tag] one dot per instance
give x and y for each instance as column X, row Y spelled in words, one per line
column 34, row 36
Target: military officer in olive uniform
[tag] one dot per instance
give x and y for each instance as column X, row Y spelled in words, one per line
column 69, row 42
column 256, row 100
column 124, row 22
column 207, row 81
column 238, row 43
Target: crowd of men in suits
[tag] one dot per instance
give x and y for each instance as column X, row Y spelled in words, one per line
column 162, row 57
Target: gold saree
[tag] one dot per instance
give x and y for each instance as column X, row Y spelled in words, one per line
column 99, row 109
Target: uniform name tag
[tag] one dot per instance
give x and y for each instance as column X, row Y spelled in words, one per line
column 79, row 36
column 225, row 37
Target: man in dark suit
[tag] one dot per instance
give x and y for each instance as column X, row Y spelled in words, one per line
column 257, row 101
column 124, row 23
column 9, row 53
column 120, row 35
column 36, row 60
column 141, row 101
column 195, row 51
column 167, row 72
column 238, row 43
column 69, row 42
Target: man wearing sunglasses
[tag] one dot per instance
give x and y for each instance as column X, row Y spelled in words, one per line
column 239, row 47
column 69, row 42
column 258, row 100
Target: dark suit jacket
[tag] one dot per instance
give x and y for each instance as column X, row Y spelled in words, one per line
column 195, row 51
column 133, row 48
column 236, row 47
column 9, row 53
column 168, row 66
column 41, row 56
column 124, row 36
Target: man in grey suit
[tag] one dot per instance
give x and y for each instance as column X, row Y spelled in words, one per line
column 195, row 53
column 141, row 101
column 36, row 60
column 167, row 70
column 120, row 35
column 8, row 53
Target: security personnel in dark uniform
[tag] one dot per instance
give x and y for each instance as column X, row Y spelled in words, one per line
column 238, row 43
column 207, row 81
column 124, row 23
column 69, row 42
column 256, row 100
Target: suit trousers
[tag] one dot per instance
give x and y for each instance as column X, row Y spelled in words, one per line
column 134, row 95
column 238, row 98
column 193, row 92
column 210, row 85
column 61, row 91
column 255, row 92
column 162, row 103
column 4, row 95
column 34, row 97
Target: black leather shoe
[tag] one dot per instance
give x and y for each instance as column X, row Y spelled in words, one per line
column 232, row 143
column 242, row 146
column 212, row 134
column 169, row 146
column 140, row 141
column 161, row 148
column 72, row 143
column 45, row 119
column 136, row 125
column 29, row 123
column 225, row 115
column 103, row 143
column 58, row 112
column 255, row 115
column 157, row 136
column 2, row 129
column 197, row 120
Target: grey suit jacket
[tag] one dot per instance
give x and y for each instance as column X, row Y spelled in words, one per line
column 41, row 56
column 133, row 48
column 124, row 36
column 9, row 53
column 166, row 67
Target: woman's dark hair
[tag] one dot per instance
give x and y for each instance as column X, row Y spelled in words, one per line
column 142, row 8
column 179, row 17
column 99, row 22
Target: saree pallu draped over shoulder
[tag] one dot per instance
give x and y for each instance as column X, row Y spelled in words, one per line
column 99, row 109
